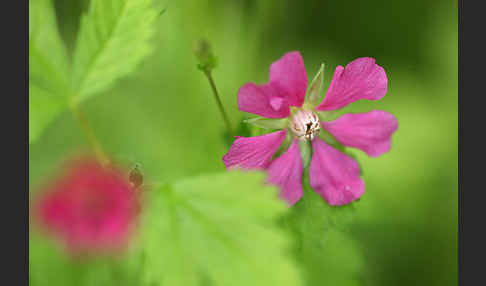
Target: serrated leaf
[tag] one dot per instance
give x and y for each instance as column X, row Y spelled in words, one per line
column 48, row 64
column 217, row 230
column 48, row 68
column 268, row 123
column 315, row 87
column 113, row 39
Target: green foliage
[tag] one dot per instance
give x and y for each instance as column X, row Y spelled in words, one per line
column 48, row 64
column 219, row 229
column 112, row 41
column 406, row 221
column 48, row 68
column 43, row 108
column 324, row 249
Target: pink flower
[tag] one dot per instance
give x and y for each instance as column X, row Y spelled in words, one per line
column 91, row 208
column 333, row 174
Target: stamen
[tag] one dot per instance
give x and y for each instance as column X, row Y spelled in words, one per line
column 305, row 125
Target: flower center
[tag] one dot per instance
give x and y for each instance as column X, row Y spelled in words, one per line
column 305, row 125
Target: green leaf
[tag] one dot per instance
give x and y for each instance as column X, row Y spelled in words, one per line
column 268, row 123
column 44, row 107
column 48, row 64
column 315, row 87
column 328, row 255
column 113, row 39
column 217, row 230
column 48, row 68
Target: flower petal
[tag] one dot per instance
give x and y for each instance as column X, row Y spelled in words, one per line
column 370, row 132
column 288, row 73
column 361, row 79
column 91, row 207
column 287, row 86
column 264, row 100
column 334, row 175
column 286, row 172
column 253, row 152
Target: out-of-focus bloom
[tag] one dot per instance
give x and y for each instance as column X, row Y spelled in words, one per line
column 91, row 208
column 333, row 174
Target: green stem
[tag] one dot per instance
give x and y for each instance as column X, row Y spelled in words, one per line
column 88, row 132
column 218, row 101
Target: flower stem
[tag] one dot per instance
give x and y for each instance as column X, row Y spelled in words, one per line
column 88, row 132
column 218, row 101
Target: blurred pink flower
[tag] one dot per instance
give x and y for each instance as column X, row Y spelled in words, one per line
column 333, row 174
column 91, row 208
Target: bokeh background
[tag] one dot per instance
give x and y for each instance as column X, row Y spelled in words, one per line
column 164, row 117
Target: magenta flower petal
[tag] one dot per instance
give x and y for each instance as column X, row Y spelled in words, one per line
column 334, row 175
column 92, row 208
column 370, row 132
column 288, row 73
column 264, row 100
column 253, row 152
column 361, row 79
column 286, row 172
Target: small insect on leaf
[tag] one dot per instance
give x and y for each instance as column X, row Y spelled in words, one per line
column 136, row 176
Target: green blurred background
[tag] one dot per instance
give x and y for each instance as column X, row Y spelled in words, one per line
column 164, row 117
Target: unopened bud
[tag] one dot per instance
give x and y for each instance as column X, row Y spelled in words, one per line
column 204, row 54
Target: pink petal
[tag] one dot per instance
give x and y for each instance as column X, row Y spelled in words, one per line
column 91, row 207
column 264, row 100
column 361, row 79
column 334, row 175
column 288, row 73
column 287, row 86
column 286, row 172
column 370, row 132
column 253, row 152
